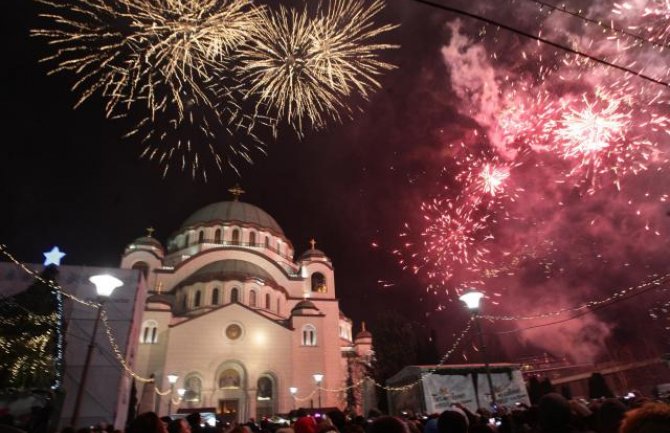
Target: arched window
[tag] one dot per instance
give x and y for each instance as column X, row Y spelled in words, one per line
column 187, row 240
column 229, row 379
column 235, row 295
column 267, row 301
column 264, row 388
column 149, row 334
column 201, row 237
column 267, row 242
column 252, row 239
column 196, row 301
column 142, row 267
column 193, row 387
column 319, row 283
column 308, row 335
column 217, row 236
column 278, row 306
column 184, row 302
column 236, row 237
column 215, row 296
column 252, row 298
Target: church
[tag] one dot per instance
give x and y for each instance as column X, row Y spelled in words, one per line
column 244, row 325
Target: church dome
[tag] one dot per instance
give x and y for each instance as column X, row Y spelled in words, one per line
column 313, row 253
column 233, row 211
column 224, row 270
column 148, row 240
column 304, row 308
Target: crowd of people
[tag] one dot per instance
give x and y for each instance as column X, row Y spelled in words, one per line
column 553, row 414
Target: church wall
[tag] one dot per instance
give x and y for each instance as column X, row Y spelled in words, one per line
column 201, row 346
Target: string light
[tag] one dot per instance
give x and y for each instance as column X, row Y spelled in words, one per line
column 119, row 355
column 590, row 304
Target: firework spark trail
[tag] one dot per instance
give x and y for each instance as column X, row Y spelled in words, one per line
column 301, row 70
column 654, row 18
column 452, row 239
column 153, row 51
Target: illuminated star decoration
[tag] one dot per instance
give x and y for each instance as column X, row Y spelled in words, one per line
column 53, row 257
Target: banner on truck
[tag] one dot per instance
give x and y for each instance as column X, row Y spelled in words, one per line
column 440, row 391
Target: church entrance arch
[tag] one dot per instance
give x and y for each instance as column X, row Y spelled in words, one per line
column 231, row 391
column 266, row 396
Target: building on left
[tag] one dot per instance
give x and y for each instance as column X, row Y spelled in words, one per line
column 107, row 394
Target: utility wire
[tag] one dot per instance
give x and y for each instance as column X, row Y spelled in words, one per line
column 543, row 40
column 600, row 23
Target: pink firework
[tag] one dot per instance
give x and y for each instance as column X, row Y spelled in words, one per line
column 602, row 137
column 452, row 241
column 493, row 177
column 651, row 20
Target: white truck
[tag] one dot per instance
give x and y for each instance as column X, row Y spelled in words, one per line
column 428, row 389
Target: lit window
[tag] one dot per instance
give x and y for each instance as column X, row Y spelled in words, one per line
column 149, row 333
column 193, row 386
column 319, row 283
column 308, row 335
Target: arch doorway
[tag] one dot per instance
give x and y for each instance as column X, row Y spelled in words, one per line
column 231, row 391
column 265, row 396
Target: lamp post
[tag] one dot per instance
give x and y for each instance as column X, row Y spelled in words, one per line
column 293, row 390
column 181, row 392
column 104, row 286
column 471, row 300
column 318, row 377
column 172, row 378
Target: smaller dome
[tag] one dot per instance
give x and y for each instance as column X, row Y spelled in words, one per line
column 162, row 299
column 313, row 253
column 148, row 240
column 303, row 308
column 363, row 334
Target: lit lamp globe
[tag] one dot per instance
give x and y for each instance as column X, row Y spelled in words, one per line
column 181, row 392
column 105, row 284
column 318, row 377
column 472, row 299
column 172, row 378
column 293, row 390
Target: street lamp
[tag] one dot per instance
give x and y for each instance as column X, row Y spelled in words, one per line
column 318, row 377
column 172, row 378
column 293, row 390
column 104, row 286
column 471, row 300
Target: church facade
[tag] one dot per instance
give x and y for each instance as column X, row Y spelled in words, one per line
column 243, row 325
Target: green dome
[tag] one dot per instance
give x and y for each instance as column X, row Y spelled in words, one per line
column 233, row 212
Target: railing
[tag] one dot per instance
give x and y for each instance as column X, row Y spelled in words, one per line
column 232, row 244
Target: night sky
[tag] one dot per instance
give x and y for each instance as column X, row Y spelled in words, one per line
column 69, row 178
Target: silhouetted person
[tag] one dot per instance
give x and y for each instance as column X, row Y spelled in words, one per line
column 610, row 415
column 554, row 414
column 147, row 422
column 388, row 424
column 650, row 418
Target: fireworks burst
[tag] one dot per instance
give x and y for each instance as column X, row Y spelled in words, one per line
column 301, row 69
column 655, row 17
column 452, row 240
column 492, row 178
column 157, row 51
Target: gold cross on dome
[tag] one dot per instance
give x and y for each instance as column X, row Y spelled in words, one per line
column 236, row 191
column 312, row 242
column 150, row 231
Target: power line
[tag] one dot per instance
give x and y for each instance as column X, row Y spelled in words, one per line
column 544, row 41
